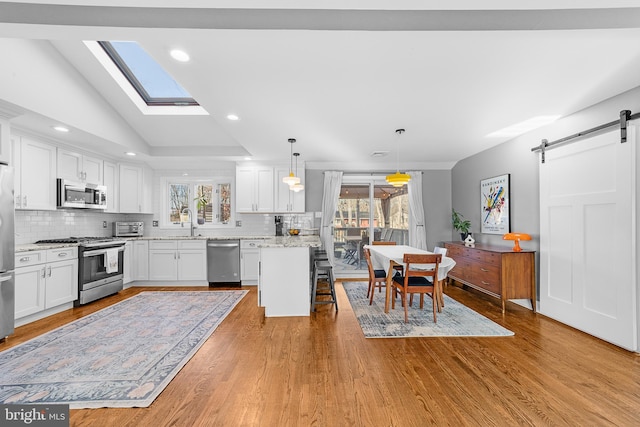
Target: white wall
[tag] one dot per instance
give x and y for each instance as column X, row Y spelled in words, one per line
column 36, row 77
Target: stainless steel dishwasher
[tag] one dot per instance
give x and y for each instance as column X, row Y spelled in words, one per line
column 223, row 262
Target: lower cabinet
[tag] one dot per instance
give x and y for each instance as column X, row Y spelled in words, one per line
column 249, row 261
column 178, row 260
column 140, row 261
column 45, row 279
column 128, row 263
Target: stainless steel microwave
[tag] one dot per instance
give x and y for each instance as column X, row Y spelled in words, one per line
column 81, row 195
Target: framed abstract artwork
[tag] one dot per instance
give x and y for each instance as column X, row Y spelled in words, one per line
column 494, row 197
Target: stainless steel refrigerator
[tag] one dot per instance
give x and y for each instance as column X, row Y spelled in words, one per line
column 7, row 252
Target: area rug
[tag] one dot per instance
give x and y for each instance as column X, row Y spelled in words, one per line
column 455, row 320
column 121, row 356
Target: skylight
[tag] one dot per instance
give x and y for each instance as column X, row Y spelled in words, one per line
column 150, row 80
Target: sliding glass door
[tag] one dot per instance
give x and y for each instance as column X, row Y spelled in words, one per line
column 368, row 209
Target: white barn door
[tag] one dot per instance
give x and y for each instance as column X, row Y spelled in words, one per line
column 587, row 237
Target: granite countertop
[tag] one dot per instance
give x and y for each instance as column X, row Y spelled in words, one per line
column 269, row 241
column 291, row 242
column 28, row 247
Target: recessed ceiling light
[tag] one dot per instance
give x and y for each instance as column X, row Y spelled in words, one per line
column 233, row 117
column 524, row 127
column 379, row 153
column 247, row 158
column 185, row 174
column 130, row 153
column 61, row 128
column 179, row 55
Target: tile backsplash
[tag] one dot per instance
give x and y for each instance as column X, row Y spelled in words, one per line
column 37, row 225
column 32, row 226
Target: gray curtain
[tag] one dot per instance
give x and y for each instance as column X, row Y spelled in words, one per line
column 417, row 230
column 330, row 195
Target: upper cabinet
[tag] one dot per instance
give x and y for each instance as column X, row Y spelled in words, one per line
column 254, row 189
column 35, row 177
column 285, row 199
column 110, row 181
column 259, row 189
column 134, row 188
column 79, row 168
column 5, row 140
column 131, row 181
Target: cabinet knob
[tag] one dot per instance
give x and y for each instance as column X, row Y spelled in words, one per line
column 63, row 254
column 25, row 259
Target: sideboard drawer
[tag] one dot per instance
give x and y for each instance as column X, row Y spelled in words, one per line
column 485, row 257
column 487, row 277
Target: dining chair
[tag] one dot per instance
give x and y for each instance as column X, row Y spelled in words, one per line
column 377, row 278
column 442, row 251
column 416, row 281
column 439, row 250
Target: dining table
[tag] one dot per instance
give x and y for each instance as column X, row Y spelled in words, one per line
column 384, row 256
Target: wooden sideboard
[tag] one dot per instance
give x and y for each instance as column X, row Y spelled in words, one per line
column 497, row 271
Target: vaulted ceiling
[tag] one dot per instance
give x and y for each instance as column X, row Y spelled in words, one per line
column 341, row 76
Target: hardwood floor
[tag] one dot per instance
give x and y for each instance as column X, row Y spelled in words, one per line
column 320, row 370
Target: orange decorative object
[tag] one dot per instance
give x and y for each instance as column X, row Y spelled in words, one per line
column 516, row 237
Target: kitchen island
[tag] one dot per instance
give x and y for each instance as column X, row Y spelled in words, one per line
column 284, row 286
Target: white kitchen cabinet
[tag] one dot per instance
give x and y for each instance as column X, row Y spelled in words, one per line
column 131, row 198
column 5, row 138
column 254, row 189
column 110, row 180
column 249, row 261
column 79, row 168
column 140, row 263
column 128, row 263
column 29, row 292
column 177, row 260
column 35, row 177
column 285, row 199
column 45, row 280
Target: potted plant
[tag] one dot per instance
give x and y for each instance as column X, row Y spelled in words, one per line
column 202, row 202
column 463, row 226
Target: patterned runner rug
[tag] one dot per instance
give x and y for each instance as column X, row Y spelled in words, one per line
column 121, row 356
column 455, row 320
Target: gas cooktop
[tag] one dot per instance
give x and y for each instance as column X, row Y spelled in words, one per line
column 80, row 240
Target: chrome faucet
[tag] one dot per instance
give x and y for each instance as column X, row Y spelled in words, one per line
column 193, row 227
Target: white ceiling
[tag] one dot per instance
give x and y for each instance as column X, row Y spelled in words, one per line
column 340, row 77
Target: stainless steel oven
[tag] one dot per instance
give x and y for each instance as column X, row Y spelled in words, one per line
column 100, row 269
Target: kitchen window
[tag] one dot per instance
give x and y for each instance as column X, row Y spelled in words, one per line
column 205, row 201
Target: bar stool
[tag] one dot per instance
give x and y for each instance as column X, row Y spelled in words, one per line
column 322, row 270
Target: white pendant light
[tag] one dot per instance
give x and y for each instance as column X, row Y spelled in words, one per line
column 296, row 187
column 398, row 179
column 291, row 179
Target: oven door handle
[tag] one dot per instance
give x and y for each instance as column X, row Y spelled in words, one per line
column 88, row 254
